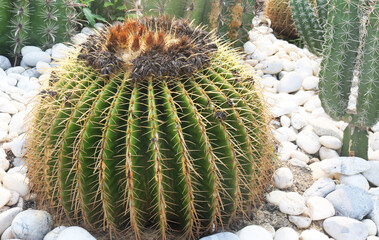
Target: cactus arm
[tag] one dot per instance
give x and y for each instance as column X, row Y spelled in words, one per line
column 247, row 17
column 355, row 142
column 368, row 90
column 176, row 8
column 339, row 57
column 20, row 26
column 182, row 166
column 307, row 25
column 232, row 15
column 68, row 159
column 199, row 14
column 322, row 12
column 5, row 16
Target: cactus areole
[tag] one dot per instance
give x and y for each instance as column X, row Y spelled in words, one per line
column 152, row 125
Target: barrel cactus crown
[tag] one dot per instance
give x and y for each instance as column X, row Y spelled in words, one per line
column 150, row 124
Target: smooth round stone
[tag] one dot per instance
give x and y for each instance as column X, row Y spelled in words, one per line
column 272, row 66
column 292, row 204
column 372, row 173
column 32, row 224
column 297, row 163
column 5, row 196
column 330, row 142
column 7, row 234
column 14, row 198
column 88, row 31
column 252, row 62
column 284, row 134
column 4, row 163
column 312, row 104
column 345, row 165
column 5, row 118
column 326, row 153
column 310, row 83
column 17, row 123
column 53, row 234
column 7, row 107
column 291, row 82
column 298, row 121
column 7, row 217
column 325, row 127
column 59, row 51
column 275, row 197
column 17, row 69
column 220, row 236
column 254, row 232
column 344, row 228
column 249, row 47
column 319, row 208
column 32, row 58
column 4, row 63
column 17, row 146
column 357, row 180
column 75, row 233
column 304, row 96
column 317, row 172
column 283, row 178
column 288, row 65
column 374, row 141
column 99, row 26
column 371, row 227
column 350, row 201
column 320, row 188
column 308, row 141
column 300, row 155
column 300, row 221
column 372, row 238
column 285, row 150
column 313, row 234
column 28, row 49
column 10, row 80
column 285, row 121
column 374, row 214
column 31, row 73
column 2, row 174
column 16, row 182
column 43, row 67
column 286, row 233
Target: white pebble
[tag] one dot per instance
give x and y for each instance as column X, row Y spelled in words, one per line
column 17, row 146
column 292, row 204
column 371, row 227
column 310, row 83
column 272, row 66
column 308, row 141
column 319, row 208
column 31, row 58
column 345, row 165
column 300, row 155
column 14, row 198
column 286, row 233
column 5, row 196
column 7, row 217
column 313, row 234
column 357, row 180
column 249, row 47
column 17, row 123
column 325, row 127
column 372, row 173
column 7, row 234
column 16, row 182
column 291, row 82
column 330, row 142
column 283, row 178
column 344, row 228
column 253, row 232
column 285, row 150
column 220, row 236
column 285, row 121
column 297, row 163
column 275, row 197
column 32, row 224
column 326, row 153
column 317, row 171
column 298, row 121
column 300, row 221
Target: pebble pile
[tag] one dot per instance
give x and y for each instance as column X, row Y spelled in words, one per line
column 344, row 196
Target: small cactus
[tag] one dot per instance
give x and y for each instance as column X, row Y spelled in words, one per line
column 150, row 124
column 34, row 22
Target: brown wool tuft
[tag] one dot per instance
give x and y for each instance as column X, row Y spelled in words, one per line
column 150, row 46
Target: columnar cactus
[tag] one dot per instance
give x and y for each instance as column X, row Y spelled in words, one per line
column 36, row 22
column 230, row 18
column 150, row 124
column 344, row 45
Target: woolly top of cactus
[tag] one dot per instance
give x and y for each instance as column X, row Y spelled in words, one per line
column 149, row 46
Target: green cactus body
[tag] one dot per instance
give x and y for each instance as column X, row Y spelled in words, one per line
column 153, row 124
column 35, row 22
column 339, row 56
column 307, row 25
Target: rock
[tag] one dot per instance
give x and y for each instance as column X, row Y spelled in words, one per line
column 32, row 58
column 357, row 180
column 18, row 146
column 298, row 121
column 28, row 49
column 221, row 236
column 310, row 83
column 319, row 208
column 99, row 26
column 284, row 134
column 350, row 201
column 298, row 163
column 345, row 165
column 313, row 234
column 272, row 66
column 254, row 232
column 308, row 141
column 4, row 63
column 326, row 153
column 344, row 228
column 313, row 103
column 285, row 150
column 285, row 121
column 7, row 217
column 7, row 234
column 291, row 82
column 372, row 173
column 32, row 224
column 75, row 233
column 300, row 155
column 17, row 69
column 59, row 51
column 14, row 198
column 303, row 97
column 17, row 123
column 317, row 172
column 16, row 182
column 374, row 214
column 284, row 107
column 283, row 178
column 325, row 127
column 320, row 188
column 371, row 227
column 5, row 196
column 372, row 238
column 88, row 31
column 374, row 141
column 31, row 73
column 2, row 174
column 330, row 142
column 300, row 221
column 53, row 234
column 5, row 118
column 43, row 67
column 286, row 233
column 292, row 204
column 275, row 197
column 6, row 106
column 4, row 163
column 249, row 47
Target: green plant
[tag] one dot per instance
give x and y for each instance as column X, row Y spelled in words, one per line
column 36, row 22
column 230, row 18
column 351, row 43
column 150, row 124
